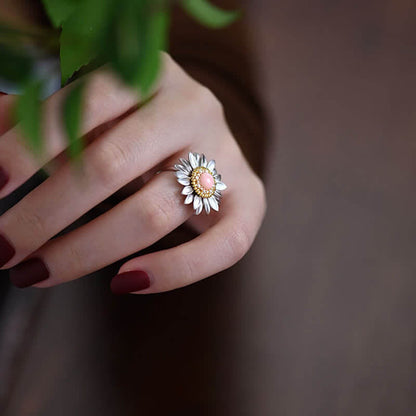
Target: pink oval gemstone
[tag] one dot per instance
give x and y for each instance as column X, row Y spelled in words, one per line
column 206, row 180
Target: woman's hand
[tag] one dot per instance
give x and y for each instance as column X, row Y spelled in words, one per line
column 182, row 117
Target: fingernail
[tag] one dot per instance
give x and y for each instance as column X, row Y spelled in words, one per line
column 129, row 282
column 4, row 178
column 29, row 272
column 7, row 251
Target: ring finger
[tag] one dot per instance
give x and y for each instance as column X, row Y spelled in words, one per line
column 135, row 223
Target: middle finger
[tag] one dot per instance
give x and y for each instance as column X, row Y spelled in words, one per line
column 141, row 141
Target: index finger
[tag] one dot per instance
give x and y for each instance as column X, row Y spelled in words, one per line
column 106, row 99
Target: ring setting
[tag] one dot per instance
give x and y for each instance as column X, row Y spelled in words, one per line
column 202, row 184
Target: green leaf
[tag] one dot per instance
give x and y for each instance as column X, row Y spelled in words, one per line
column 72, row 113
column 75, row 52
column 29, row 112
column 153, row 41
column 59, row 10
column 134, row 39
column 80, row 34
column 209, row 15
column 15, row 67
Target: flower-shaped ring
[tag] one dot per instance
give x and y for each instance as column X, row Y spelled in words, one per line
column 202, row 184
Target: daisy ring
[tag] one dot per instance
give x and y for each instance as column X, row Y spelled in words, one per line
column 202, row 184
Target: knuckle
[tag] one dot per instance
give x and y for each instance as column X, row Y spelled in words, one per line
column 156, row 214
column 208, row 101
column 108, row 162
column 106, row 96
column 201, row 102
column 30, row 222
column 172, row 72
column 188, row 269
column 239, row 243
column 76, row 257
column 167, row 59
column 99, row 86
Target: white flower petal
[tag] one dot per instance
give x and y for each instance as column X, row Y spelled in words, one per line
column 187, row 166
column 189, row 199
column 218, row 194
column 198, row 158
column 187, row 190
column 211, row 166
column 204, row 161
column 192, row 160
column 206, row 205
column 216, row 176
column 199, row 210
column 180, row 174
column 197, row 202
column 221, row 186
column 181, row 168
column 184, row 181
column 214, row 203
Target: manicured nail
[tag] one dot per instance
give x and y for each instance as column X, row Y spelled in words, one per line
column 7, row 251
column 128, row 282
column 29, row 272
column 4, row 177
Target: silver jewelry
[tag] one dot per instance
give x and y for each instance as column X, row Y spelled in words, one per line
column 202, row 184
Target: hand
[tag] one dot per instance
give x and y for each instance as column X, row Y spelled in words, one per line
column 183, row 116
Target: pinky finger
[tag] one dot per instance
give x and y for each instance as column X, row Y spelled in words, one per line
column 211, row 252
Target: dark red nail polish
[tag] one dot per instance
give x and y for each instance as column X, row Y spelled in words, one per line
column 29, row 272
column 4, row 178
column 129, row 282
column 7, row 251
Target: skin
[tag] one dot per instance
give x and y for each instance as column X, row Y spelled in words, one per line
column 182, row 116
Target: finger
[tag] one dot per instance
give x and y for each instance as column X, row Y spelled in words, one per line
column 213, row 251
column 128, row 150
column 106, row 98
column 53, row 165
column 134, row 224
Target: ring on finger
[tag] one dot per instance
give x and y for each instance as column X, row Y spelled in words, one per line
column 202, row 185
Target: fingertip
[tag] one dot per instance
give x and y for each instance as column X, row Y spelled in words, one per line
column 130, row 282
column 29, row 272
column 7, row 251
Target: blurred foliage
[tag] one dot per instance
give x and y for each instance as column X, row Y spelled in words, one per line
column 29, row 109
column 125, row 34
column 15, row 65
column 208, row 14
column 72, row 118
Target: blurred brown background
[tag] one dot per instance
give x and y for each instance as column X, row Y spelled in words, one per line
column 320, row 317
column 332, row 325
